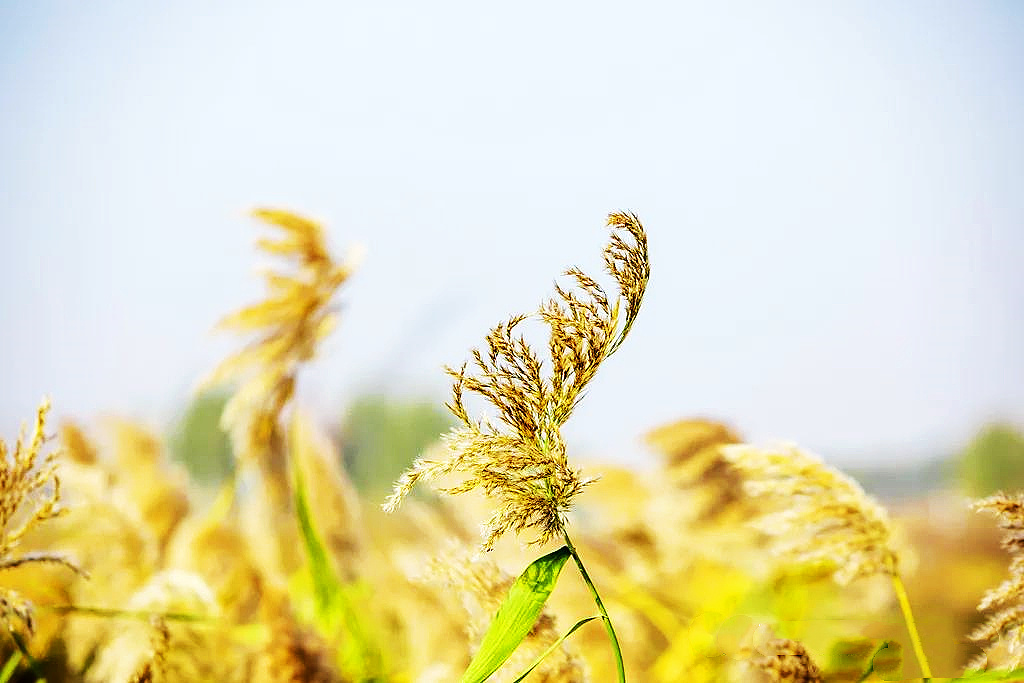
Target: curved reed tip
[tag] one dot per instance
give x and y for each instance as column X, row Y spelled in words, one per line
column 521, row 462
column 289, row 324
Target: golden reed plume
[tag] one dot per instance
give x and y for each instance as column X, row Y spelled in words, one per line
column 782, row 660
column 693, row 461
column 29, row 495
column 1004, row 630
column 522, row 462
column 822, row 517
column 290, row 323
column 817, row 514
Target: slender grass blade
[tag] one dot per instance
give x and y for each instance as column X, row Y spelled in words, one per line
column 517, row 615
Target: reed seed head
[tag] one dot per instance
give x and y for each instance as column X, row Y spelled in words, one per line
column 693, row 461
column 294, row 653
column 521, row 462
column 1004, row 629
column 786, row 661
column 290, row 324
column 29, row 495
column 817, row 514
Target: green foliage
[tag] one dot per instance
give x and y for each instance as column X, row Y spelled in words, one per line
column 338, row 605
column 382, row 435
column 993, row 461
column 198, row 442
column 554, row 646
column 887, row 661
column 9, row 667
column 863, row 659
column 517, row 615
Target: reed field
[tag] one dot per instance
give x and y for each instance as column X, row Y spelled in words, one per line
column 498, row 554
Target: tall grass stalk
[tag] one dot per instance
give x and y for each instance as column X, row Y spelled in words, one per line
column 608, row 626
column 908, row 617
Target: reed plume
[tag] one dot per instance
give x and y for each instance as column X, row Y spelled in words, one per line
column 157, row 489
column 289, row 324
column 692, row 451
column 185, row 638
column 151, row 669
column 76, row 445
column 822, row 517
column 29, row 496
column 521, row 462
column 294, row 652
column 782, row 660
column 1004, row 629
column 818, row 515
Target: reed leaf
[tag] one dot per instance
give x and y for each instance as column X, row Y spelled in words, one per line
column 554, row 646
column 10, row 666
column 517, row 615
column 336, row 602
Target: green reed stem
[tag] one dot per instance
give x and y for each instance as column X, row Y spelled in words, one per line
column 37, row 671
column 908, row 616
column 10, row 667
column 616, row 650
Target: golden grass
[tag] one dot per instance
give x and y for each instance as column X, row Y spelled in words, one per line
column 697, row 561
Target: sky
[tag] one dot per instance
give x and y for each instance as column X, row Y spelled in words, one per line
column 832, row 194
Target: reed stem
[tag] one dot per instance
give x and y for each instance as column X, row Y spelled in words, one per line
column 908, row 617
column 616, row 650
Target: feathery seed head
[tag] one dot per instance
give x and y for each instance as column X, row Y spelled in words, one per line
column 29, row 495
column 818, row 514
column 294, row 653
column 1004, row 630
column 521, row 463
column 786, row 661
column 294, row 318
column 76, row 445
column 151, row 669
column 693, row 461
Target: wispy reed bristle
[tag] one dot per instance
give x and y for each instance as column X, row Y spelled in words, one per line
column 291, row 322
column 75, row 445
column 294, row 653
column 29, row 495
column 151, row 670
column 522, row 462
column 692, row 450
column 817, row 514
column 786, row 661
column 1004, row 630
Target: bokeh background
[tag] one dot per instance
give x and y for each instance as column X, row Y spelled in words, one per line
column 832, row 193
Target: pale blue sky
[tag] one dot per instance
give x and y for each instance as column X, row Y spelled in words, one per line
column 833, row 196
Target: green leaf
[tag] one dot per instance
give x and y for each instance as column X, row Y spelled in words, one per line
column 850, row 658
column 335, row 602
column 326, row 586
column 9, row 667
column 517, row 615
column 553, row 647
column 862, row 659
column 37, row 670
column 887, row 661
